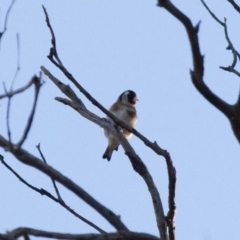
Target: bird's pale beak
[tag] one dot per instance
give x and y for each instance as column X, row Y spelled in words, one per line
column 135, row 99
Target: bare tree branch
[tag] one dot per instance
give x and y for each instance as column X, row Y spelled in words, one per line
column 212, row 14
column 53, row 50
column 6, row 19
column 53, row 54
column 5, row 88
column 30, row 160
column 122, row 235
column 232, row 112
column 41, row 191
column 37, row 84
column 20, row 90
column 61, row 201
column 18, row 62
column 54, row 58
column 46, row 193
column 8, row 117
column 236, row 55
column 54, row 184
column 198, row 70
column 137, row 163
column 237, row 8
column 171, row 197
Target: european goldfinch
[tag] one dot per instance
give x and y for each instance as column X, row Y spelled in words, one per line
column 124, row 109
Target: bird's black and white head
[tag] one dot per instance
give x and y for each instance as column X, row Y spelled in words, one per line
column 128, row 97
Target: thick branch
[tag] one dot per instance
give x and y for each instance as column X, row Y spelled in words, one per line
column 28, row 159
column 123, row 235
column 237, row 8
column 49, row 195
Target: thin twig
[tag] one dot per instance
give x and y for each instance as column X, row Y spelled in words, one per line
column 232, row 112
column 54, row 48
column 8, row 115
column 41, row 191
column 54, row 184
column 20, row 90
column 235, row 53
column 6, row 92
column 18, row 62
column 212, row 14
column 46, row 193
column 230, row 69
column 38, row 84
column 6, row 19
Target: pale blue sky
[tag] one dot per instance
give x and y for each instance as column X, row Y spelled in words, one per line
column 112, row 46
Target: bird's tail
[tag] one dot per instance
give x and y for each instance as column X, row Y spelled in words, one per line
column 108, row 153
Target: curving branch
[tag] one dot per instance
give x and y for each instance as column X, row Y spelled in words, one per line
column 232, row 112
column 122, row 235
column 30, row 160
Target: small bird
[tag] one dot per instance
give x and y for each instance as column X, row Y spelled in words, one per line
column 124, row 109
